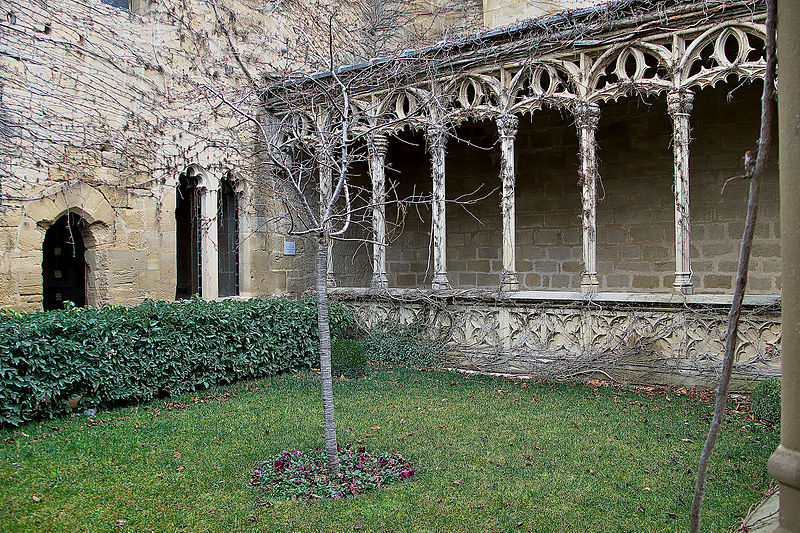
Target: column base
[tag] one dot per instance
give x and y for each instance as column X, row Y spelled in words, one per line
column 683, row 283
column 784, row 467
column 379, row 281
column 440, row 282
column 509, row 281
column 590, row 283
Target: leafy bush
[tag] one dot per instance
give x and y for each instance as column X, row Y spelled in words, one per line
column 120, row 354
column 766, row 401
column 411, row 344
column 299, row 475
column 348, row 358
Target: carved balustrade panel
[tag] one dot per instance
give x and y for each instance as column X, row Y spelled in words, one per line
column 575, row 340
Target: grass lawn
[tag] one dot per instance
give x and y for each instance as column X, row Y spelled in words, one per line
column 492, row 455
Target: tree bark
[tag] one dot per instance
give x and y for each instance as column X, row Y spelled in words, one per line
column 741, row 275
column 326, row 377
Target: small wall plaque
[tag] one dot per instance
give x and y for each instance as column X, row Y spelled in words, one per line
column 288, row 248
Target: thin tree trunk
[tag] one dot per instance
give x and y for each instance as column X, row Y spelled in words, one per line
column 754, row 174
column 326, row 380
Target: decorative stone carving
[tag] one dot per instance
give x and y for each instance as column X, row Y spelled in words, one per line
column 377, row 147
column 587, row 117
column 507, row 129
column 675, row 343
column 436, row 140
column 679, row 105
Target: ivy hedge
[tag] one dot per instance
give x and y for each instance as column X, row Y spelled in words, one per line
column 53, row 362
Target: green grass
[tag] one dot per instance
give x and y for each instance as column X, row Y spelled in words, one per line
column 551, row 457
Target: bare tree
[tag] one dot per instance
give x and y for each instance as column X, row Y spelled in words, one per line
column 311, row 130
column 754, row 170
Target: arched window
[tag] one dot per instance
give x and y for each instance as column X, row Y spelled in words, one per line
column 228, row 239
column 187, row 236
column 64, row 269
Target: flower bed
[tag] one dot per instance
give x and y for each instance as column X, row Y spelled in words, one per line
column 300, row 475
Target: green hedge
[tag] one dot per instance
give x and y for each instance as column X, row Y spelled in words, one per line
column 118, row 355
column 766, row 401
column 348, row 358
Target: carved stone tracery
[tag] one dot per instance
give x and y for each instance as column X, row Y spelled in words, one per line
column 577, row 338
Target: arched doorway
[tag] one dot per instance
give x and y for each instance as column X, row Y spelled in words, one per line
column 228, row 239
column 64, row 269
column 187, row 236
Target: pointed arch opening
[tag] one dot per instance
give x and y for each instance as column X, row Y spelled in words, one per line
column 187, row 236
column 228, row 238
column 64, row 267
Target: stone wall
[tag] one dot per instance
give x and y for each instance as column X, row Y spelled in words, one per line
column 498, row 13
column 102, row 108
column 635, row 210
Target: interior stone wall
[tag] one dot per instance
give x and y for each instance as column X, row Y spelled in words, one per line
column 635, row 210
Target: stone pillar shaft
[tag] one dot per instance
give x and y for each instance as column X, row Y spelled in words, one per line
column 587, row 116
column 679, row 104
column 507, row 128
column 377, row 147
column 784, row 465
column 436, row 141
column 209, row 247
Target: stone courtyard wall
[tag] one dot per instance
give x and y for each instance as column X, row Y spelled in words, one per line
column 102, row 108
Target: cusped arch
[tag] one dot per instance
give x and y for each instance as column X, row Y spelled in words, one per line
column 622, row 69
column 725, row 49
column 199, row 177
column 549, row 82
column 474, row 95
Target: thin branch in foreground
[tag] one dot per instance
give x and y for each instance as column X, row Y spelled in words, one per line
column 741, row 274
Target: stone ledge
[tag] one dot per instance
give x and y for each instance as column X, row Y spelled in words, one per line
column 561, row 297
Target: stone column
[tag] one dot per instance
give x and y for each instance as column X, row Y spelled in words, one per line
column 377, row 147
column 586, row 117
column 507, row 128
column 784, row 465
column 325, row 194
column 436, row 139
column 679, row 104
column 209, row 247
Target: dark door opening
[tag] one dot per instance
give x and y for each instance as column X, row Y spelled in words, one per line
column 64, row 269
column 228, row 240
column 187, row 237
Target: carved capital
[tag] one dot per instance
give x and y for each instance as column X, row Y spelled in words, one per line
column 507, row 125
column 436, row 136
column 680, row 102
column 378, row 144
column 587, row 115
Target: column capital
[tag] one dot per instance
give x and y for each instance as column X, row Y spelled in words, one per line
column 378, row 144
column 507, row 125
column 680, row 102
column 587, row 114
column 435, row 134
